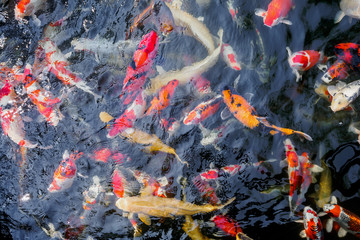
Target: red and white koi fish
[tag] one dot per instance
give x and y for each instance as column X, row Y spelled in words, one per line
column 276, row 12
column 247, row 115
column 65, row 174
column 230, row 57
column 126, row 120
column 338, row 71
column 348, row 221
column 58, row 65
column 227, row 224
column 202, row 85
column 304, row 60
column 203, row 111
column 124, row 183
column 312, row 225
column 294, row 171
column 43, row 99
column 118, row 183
column 163, row 101
column 206, row 190
column 28, row 8
column 138, row 69
column 151, row 183
column 232, row 10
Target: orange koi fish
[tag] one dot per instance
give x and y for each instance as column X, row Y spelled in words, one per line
column 203, row 111
column 43, row 99
column 349, row 222
column 246, row 114
column 337, row 71
column 227, row 224
column 312, row 225
column 65, row 174
column 276, row 12
column 58, row 65
column 138, row 69
column 163, row 101
column 304, row 60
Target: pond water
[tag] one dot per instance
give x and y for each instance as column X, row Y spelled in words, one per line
column 266, row 81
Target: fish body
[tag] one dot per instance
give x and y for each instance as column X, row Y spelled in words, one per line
column 65, row 174
column 149, row 182
column 276, row 12
column 139, row 67
column 164, row 97
column 207, row 192
column 349, row 53
column 338, row 71
column 227, row 224
column 350, row 8
column 312, row 224
column 343, row 94
column 349, row 221
column 304, row 60
column 230, row 57
column 203, row 111
column 118, row 183
column 163, row 207
column 27, row 8
column 192, row 229
column 294, row 170
column 202, row 85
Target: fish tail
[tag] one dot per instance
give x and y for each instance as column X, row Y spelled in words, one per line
column 304, row 135
column 183, row 162
column 227, row 203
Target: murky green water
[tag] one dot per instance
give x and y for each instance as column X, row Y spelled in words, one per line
column 269, row 85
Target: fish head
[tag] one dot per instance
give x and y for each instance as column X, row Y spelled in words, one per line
column 339, row 102
column 121, row 203
column 333, row 210
column 67, row 168
column 312, row 224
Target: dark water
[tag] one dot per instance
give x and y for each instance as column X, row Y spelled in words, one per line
column 269, row 86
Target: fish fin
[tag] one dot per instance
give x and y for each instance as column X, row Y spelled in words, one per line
column 322, row 67
column 260, row 12
column 160, row 69
column 313, row 179
column 298, row 75
column 225, row 113
column 332, row 90
column 333, row 200
column 105, row 117
column 342, row 233
column 339, row 16
column 146, row 191
column 66, row 154
column 304, row 135
column 36, row 20
column 299, row 221
column 288, row 51
column 329, row 225
column 321, row 214
column 283, row 163
column 220, row 234
column 248, row 96
column 285, row 21
column 316, row 169
column 144, row 218
column 302, row 234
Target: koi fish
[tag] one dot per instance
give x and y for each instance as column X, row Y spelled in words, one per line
column 227, row 224
column 207, row 192
column 201, row 84
column 171, row 125
column 43, row 99
column 106, row 155
column 118, row 183
column 65, row 174
column 349, row 8
column 349, row 53
column 163, row 101
column 322, row 196
column 312, row 225
column 339, row 70
column 139, row 67
column 203, row 111
column 155, row 187
column 348, row 221
column 28, row 8
column 146, row 206
column 276, row 12
column 246, row 114
column 58, row 64
column 343, row 94
column 92, row 193
column 304, row 60
column 124, row 183
column 192, row 229
column 230, row 57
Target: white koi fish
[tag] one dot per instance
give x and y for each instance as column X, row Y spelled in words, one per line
column 343, row 94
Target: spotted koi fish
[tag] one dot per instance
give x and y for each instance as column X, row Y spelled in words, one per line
column 138, row 69
column 312, row 225
column 304, row 60
column 227, row 224
column 58, row 65
column 276, row 12
column 338, row 71
column 230, row 57
column 247, row 115
column 65, row 174
column 163, row 100
column 203, row 111
column 348, row 221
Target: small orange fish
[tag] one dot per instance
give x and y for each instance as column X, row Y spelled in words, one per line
column 64, row 175
column 247, row 115
column 203, row 111
column 163, row 101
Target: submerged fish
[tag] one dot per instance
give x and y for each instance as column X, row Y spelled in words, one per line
column 276, row 12
column 163, row 101
column 64, row 175
column 203, row 111
column 247, row 115
column 337, row 71
column 350, row 8
column 312, row 225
